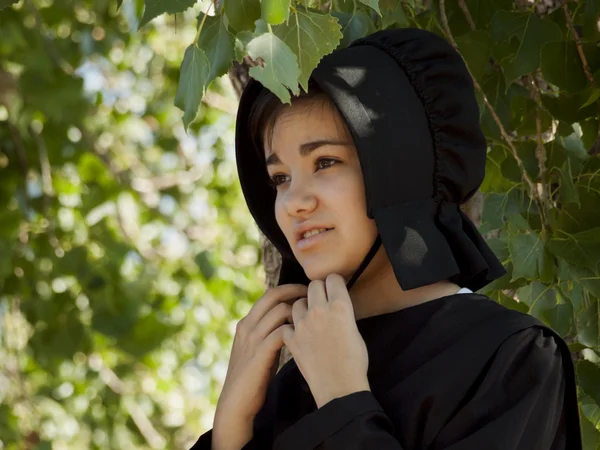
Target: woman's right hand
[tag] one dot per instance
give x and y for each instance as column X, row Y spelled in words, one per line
column 255, row 354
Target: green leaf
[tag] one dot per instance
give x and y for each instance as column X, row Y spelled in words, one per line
column 242, row 39
column 7, row 3
column 568, row 191
column 280, row 71
column 540, row 298
column 581, row 249
column 242, row 13
column 588, row 375
column 275, row 11
column 354, row 26
column 590, row 436
column 560, row 317
column 523, row 116
column 561, row 64
column 310, row 36
column 528, row 255
column 563, row 149
column 526, row 151
column 499, row 247
column 494, row 180
column 569, row 108
column 509, row 302
column 593, row 98
column 476, row 48
column 588, row 324
column 481, row 11
column 393, row 14
column 591, row 15
column 583, row 277
column 217, row 44
column 522, row 55
column 155, row 8
column 192, row 82
column 374, row 4
column 498, row 208
column 500, row 96
column 525, row 250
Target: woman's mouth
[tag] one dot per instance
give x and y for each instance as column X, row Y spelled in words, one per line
column 314, row 239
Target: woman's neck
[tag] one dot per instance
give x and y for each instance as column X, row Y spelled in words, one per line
column 377, row 291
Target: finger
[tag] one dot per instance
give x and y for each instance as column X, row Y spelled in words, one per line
column 279, row 315
column 336, row 288
column 316, row 294
column 273, row 296
column 277, row 339
column 299, row 310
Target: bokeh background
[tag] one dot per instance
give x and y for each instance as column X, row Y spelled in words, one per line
column 127, row 253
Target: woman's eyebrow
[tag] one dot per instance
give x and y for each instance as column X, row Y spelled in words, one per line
column 306, row 149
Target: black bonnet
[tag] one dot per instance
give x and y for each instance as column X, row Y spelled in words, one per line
column 408, row 101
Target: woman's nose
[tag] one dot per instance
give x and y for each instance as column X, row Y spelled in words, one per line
column 299, row 199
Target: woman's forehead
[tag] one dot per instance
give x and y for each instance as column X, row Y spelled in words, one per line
column 307, row 119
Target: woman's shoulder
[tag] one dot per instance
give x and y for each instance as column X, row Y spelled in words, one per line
column 478, row 321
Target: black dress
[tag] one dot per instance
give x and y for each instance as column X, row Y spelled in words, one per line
column 457, row 373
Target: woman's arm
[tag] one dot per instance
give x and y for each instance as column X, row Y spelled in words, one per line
column 517, row 404
column 234, row 438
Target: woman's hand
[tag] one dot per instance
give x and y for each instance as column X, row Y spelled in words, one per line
column 325, row 342
column 255, row 356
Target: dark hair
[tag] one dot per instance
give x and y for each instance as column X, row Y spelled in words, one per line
column 266, row 109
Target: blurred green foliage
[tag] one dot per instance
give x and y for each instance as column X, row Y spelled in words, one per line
column 126, row 250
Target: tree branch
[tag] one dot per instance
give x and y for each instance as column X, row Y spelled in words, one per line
column 571, row 27
column 532, row 187
column 463, row 6
column 153, row 437
column 540, row 149
column 220, row 102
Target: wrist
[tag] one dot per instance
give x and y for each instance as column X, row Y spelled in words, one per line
column 231, row 435
column 340, row 391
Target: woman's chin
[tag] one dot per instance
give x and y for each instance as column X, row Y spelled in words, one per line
column 321, row 273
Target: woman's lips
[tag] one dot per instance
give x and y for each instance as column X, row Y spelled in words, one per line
column 313, row 240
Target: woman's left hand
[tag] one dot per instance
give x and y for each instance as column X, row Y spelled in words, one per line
column 325, row 341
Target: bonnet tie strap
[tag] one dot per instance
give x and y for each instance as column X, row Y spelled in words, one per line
column 365, row 262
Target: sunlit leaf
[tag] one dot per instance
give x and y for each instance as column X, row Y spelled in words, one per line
column 193, row 77
column 155, row 8
column 275, row 11
column 374, row 4
column 310, row 36
column 280, row 71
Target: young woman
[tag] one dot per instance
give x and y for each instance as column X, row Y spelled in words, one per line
column 358, row 184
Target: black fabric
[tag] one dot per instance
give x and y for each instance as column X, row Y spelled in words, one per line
column 456, row 373
column 408, row 101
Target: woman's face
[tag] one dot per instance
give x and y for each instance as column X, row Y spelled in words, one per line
column 313, row 163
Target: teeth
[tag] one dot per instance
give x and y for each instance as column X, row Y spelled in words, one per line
column 313, row 232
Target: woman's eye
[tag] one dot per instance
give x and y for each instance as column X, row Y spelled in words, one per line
column 321, row 163
column 327, row 160
column 275, row 180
